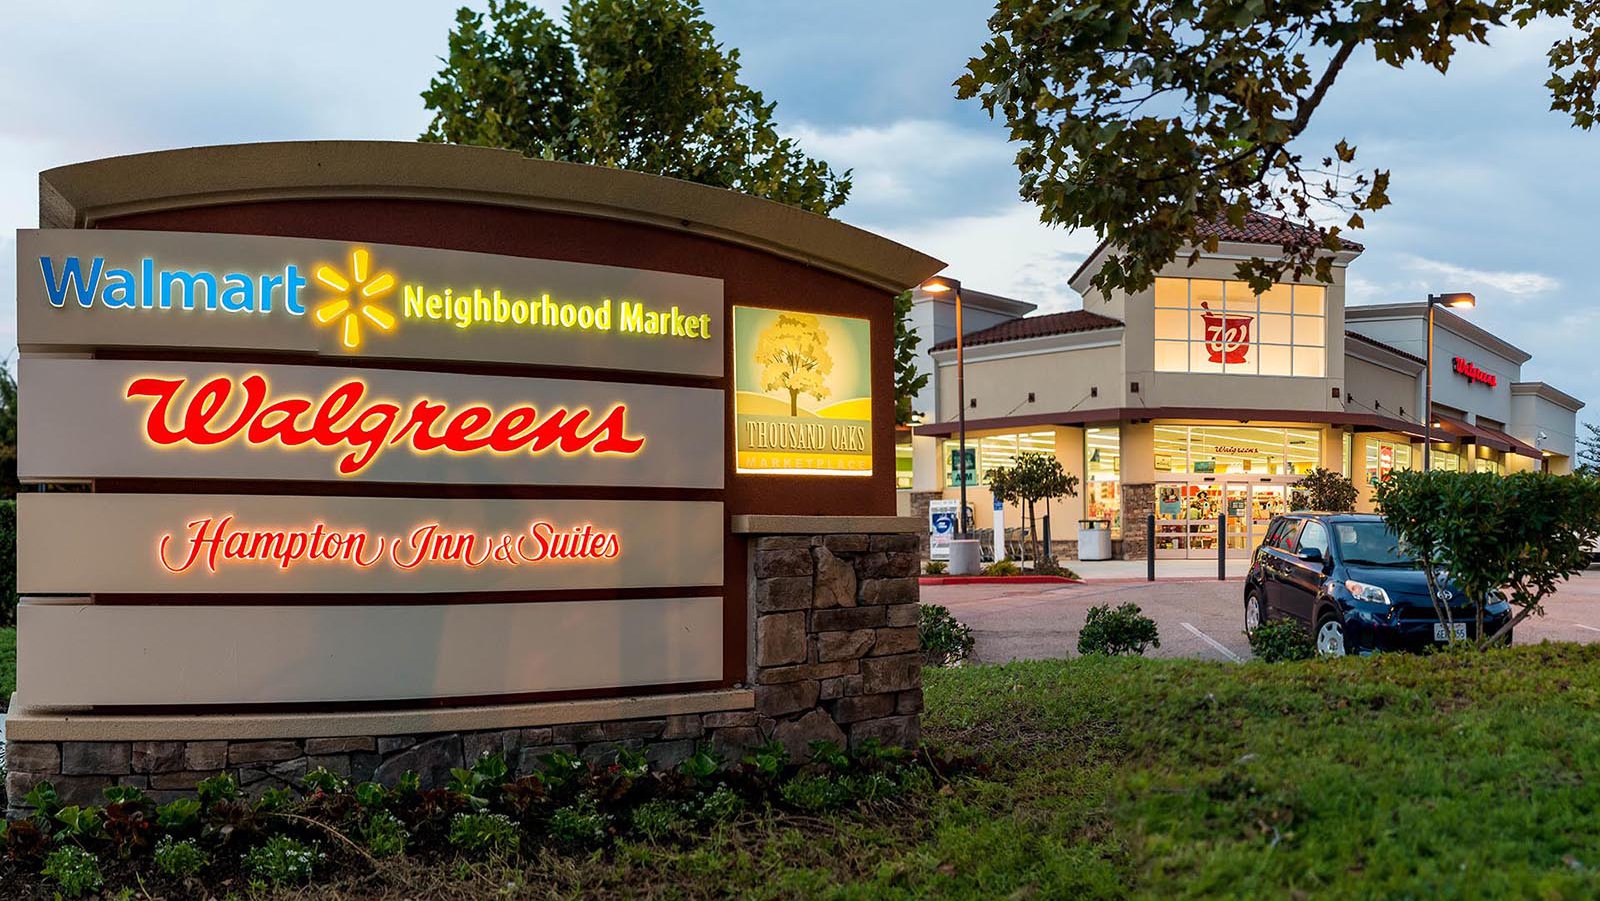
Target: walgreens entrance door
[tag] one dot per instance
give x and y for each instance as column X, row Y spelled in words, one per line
column 1187, row 514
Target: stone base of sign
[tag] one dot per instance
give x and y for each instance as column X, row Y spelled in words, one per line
column 835, row 657
column 81, row 770
column 1138, row 502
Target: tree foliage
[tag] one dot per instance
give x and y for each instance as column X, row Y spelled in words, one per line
column 793, row 353
column 1588, row 461
column 1518, row 536
column 907, row 380
column 1032, row 478
column 8, row 432
column 1148, row 120
column 631, row 84
column 1328, row 491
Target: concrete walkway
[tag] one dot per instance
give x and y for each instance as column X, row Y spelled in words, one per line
column 1124, row 570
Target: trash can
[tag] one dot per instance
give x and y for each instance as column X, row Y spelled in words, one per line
column 1094, row 539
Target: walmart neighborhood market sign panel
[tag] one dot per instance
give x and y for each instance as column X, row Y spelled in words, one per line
column 107, row 288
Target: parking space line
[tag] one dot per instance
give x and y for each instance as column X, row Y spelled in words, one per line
column 1219, row 645
column 1590, row 628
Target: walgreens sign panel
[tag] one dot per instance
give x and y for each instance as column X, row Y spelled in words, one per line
column 327, row 444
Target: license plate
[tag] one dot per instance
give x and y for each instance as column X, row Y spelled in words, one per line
column 1439, row 633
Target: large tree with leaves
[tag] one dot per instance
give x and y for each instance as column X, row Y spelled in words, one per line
column 631, row 84
column 1150, row 120
column 1588, row 461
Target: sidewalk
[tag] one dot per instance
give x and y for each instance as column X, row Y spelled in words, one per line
column 1124, row 570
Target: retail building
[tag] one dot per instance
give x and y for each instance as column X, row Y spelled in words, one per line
column 1198, row 398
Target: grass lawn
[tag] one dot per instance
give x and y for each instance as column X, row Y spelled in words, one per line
column 1410, row 777
column 8, row 664
column 1446, row 777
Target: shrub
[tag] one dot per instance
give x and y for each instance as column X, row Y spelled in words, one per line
column 1002, row 568
column 179, row 860
column 936, row 567
column 1050, row 566
column 281, row 861
column 1327, row 491
column 945, row 639
column 657, row 820
column 580, row 824
column 385, row 835
column 720, row 806
column 75, row 870
column 814, row 793
column 1118, row 632
column 1283, row 639
column 485, row 833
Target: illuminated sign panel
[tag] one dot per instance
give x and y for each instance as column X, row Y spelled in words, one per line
column 205, row 543
column 1472, row 372
column 107, row 288
column 804, row 392
column 108, row 418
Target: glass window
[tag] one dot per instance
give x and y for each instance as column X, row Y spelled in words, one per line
column 1102, row 448
column 1446, row 461
column 1314, row 537
column 1229, row 329
column 992, row 452
column 1384, row 457
column 1483, row 465
column 1209, row 450
column 902, row 466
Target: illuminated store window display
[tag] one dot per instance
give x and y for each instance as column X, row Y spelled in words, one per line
column 993, row 452
column 1102, row 449
column 1208, row 450
column 1214, row 326
column 1383, row 458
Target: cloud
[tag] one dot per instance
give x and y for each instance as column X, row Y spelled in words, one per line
column 1517, row 284
column 1007, row 252
column 915, row 166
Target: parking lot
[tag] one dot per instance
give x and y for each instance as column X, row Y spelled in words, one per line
column 1195, row 617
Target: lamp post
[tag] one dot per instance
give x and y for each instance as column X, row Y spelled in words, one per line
column 941, row 285
column 1460, row 300
column 964, row 552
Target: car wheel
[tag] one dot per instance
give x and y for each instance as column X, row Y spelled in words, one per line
column 1255, row 614
column 1330, row 638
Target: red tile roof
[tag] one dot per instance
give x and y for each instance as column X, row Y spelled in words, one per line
column 1259, row 228
column 1036, row 327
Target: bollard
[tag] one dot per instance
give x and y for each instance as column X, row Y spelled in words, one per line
column 1150, row 547
column 1222, row 547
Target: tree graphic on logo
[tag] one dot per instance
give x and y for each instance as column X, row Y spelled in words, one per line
column 793, row 353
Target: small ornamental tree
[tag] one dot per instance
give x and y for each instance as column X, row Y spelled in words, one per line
column 1034, row 477
column 1515, row 536
column 1328, row 491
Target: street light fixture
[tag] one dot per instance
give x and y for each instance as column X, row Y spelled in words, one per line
column 940, row 284
column 1458, row 300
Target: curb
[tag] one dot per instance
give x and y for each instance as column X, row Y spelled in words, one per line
column 996, row 580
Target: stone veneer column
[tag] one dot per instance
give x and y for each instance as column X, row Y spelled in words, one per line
column 1138, row 502
column 837, row 656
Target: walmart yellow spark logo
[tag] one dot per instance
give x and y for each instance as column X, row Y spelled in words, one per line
column 357, row 299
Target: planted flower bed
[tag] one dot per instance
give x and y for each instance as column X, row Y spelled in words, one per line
column 222, row 841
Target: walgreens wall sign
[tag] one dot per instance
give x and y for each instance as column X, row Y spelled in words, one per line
column 1473, row 373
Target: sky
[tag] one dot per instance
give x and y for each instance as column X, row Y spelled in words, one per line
column 1492, row 192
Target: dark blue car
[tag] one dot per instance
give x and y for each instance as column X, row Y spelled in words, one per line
column 1345, row 578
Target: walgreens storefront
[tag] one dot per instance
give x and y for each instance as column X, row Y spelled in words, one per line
column 1200, row 399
